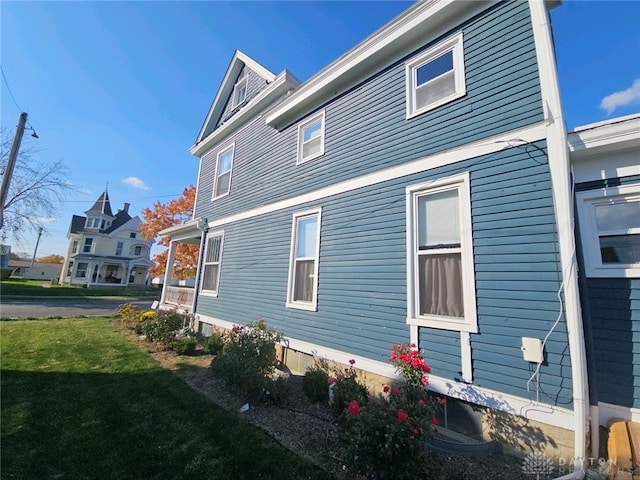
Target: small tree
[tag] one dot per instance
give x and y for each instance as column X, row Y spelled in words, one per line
column 36, row 191
column 165, row 215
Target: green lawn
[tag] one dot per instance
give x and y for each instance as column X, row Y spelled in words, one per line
column 41, row 288
column 80, row 401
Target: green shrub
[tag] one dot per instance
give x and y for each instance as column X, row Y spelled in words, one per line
column 184, row 345
column 346, row 388
column 248, row 358
column 213, row 345
column 315, row 384
column 164, row 326
column 277, row 392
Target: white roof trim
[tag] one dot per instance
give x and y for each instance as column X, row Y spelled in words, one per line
column 421, row 23
column 194, row 226
column 238, row 60
column 284, row 82
column 614, row 134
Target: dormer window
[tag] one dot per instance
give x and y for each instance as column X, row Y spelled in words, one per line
column 240, row 91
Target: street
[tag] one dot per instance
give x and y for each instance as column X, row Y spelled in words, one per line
column 69, row 307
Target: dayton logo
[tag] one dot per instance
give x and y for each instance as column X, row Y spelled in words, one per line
column 537, row 464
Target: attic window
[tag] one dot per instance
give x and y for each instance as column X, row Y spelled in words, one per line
column 240, row 91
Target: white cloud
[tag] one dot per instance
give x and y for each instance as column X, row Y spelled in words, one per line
column 135, row 182
column 622, row 98
column 44, row 220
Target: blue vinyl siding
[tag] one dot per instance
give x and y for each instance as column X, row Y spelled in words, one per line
column 614, row 305
column 366, row 129
column 362, row 291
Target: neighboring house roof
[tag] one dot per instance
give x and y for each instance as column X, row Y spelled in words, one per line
column 27, row 264
column 122, row 217
column 102, row 206
column 78, row 222
column 114, row 258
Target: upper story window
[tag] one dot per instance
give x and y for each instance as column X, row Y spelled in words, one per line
column 435, row 77
column 610, row 230
column 441, row 293
column 88, row 245
column 311, row 138
column 132, row 235
column 211, row 265
column 303, row 267
column 224, row 164
column 240, row 91
column 119, row 246
column 74, row 247
column 137, row 250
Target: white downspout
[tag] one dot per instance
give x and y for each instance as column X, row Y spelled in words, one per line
column 559, row 166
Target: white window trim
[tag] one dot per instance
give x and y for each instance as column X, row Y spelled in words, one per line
column 452, row 44
column 91, row 247
column 212, row 293
column 587, row 202
column 470, row 321
column 319, row 116
column 231, row 147
column 313, row 305
column 236, row 87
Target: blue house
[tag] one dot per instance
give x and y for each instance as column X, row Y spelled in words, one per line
column 417, row 189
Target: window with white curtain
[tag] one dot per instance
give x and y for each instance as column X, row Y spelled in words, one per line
column 436, row 76
column 440, row 259
column 211, row 264
column 224, row 165
column 311, row 138
column 303, row 268
column 610, row 231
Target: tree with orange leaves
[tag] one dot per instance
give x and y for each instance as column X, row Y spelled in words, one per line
column 165, row 215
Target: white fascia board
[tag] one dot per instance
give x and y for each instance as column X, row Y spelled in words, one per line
column 186, row 230
column 283, row 83
column 418, row 25
column 493, row 399
column 228, row 82
column 616, row 134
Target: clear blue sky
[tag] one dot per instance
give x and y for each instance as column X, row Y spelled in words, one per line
column 119, row 90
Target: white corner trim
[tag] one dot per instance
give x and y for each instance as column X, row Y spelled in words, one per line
column 465, row 357
column 511, row 404
column 559, row 168
column 482, row 147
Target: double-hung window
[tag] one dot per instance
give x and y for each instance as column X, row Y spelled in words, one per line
column 88, row 244
column 441, row 290
column 74, row 247
column 240, row 91
column 436, row 76
column 119, row 246
column 303, row 267
column 311, row 138
column 81, row 271
column 224, row 165
column 211, row 264
column 610, row 230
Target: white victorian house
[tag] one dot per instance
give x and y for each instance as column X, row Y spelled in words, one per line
column 106, row 249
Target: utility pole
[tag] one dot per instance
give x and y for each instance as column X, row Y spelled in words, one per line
column 33, row 259
column 11, row 163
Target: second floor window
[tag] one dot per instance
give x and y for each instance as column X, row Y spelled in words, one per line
column 119, row 248
column 436, row 76
column 311, row 138
column 137, row 250
column 74, row 248
column 224, row 166
column 88, row 244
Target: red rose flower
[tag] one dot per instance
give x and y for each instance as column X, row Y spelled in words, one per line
column 434, row 420
column 421, row 402
column 396, row 392
column 415, row 431
column 386, row 388
column 402, row 415
column 354, row 407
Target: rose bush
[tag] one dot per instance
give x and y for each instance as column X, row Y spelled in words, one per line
column 385, row 438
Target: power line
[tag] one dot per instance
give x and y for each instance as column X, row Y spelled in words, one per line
column 9, row 88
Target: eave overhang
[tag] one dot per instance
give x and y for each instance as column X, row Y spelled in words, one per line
column 608, row 136
column 280, row 86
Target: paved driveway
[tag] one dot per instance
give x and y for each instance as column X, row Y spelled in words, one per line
column 68, row 307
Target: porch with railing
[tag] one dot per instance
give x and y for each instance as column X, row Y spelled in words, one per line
column 181, row 297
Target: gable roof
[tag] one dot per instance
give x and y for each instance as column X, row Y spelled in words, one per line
column 122, row 217
column 78, row 222
column 238, row 62
column 102, row 206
